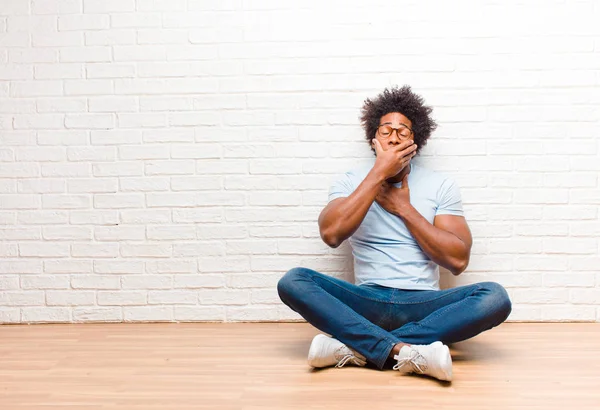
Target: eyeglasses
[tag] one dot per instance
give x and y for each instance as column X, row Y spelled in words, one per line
column 402, row 131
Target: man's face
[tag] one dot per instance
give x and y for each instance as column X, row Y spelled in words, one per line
column 394, row 128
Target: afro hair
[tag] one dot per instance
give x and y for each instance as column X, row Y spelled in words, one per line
column 407, row 103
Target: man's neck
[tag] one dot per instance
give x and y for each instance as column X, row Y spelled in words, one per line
column 399, row 176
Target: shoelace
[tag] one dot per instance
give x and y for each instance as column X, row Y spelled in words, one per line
column 348, row 357
column 412, row 359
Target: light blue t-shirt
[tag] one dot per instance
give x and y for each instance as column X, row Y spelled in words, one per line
column 385, row 253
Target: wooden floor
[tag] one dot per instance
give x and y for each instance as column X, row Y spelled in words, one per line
column 263, row 366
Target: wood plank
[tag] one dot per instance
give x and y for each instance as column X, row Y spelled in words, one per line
column 263, row 366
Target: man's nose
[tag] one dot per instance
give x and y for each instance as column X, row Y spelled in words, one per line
column 394, row 137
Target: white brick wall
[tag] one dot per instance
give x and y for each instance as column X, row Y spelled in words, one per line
column 167, row 160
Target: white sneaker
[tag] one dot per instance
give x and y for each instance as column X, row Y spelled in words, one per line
column 326, row 351
column 433, row 360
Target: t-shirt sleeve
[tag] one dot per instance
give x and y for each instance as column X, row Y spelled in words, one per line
column 450, row 202
column 341, row 188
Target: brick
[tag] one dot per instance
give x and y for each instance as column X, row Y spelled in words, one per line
column 9, row 282
column 256, row 313
column 110, row 37
column 40, row 121
column 87, row 54
column 176, row 199
column 93, row 250
column 91, row 185
column 122, row 298
column 56, row 7
column 195, row 183
column 197, row 151
column 66, row 233
column 143, row 152
column 63, row 201
column 70, row 297
column 108, row 6
column 22, row 298
column 118, row 266
column 199, row 314
column 199, row 281
column 119, row 233
column 197, row 215
column 80, row 22
column 146, row 250
column 61, row 105
column 253, row 280
column 109, row 70
column 65, row 170
column 89, row 121
column 221, row 265
column 19, row 233
column 43, row 250
column 146, row 282
column 148, row 314
column 171, row 266
column 10, row 315
column 224, row 296
column 67, row 266
column 63, row 137
column 113, row 104
column 97, row 314
column 172, row 297
column 170, row 232
column 95, row 282
column 251, row 247
column 194, row 249
column 146, row 216
column 45, row 315
column 106, row 217
column 20, row 266
column 136, row 20
column 118, row 201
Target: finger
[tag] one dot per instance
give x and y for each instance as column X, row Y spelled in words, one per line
column 405, row 146
column 405, row 182
column 377, row 146
column 407, row 152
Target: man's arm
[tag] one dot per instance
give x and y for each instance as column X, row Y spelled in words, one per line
column 447, row 241
column 342, row 216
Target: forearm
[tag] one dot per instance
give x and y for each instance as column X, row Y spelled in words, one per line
column 339, row 220
column 442, row 247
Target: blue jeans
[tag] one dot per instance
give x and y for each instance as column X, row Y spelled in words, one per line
column 371, row 319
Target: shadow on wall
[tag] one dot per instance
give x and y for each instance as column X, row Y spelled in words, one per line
column 447, row 279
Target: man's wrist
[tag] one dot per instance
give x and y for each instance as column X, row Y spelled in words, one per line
column 404, row 210
column 378, row 176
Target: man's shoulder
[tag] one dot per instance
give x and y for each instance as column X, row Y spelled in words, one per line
column 431, row 176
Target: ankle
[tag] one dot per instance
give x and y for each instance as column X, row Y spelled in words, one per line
column 396, row 349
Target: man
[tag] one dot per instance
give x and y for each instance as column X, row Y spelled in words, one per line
column 403, row 221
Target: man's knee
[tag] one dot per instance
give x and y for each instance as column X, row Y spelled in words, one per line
column 289, row 283
column 497, row 301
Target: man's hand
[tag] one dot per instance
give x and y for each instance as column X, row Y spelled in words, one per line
column 391, row 161
column 392, row 199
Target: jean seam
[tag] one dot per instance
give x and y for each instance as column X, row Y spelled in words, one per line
column 429, row 300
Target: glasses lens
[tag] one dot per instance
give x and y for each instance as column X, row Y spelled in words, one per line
column 385, row 131
column 405, row 132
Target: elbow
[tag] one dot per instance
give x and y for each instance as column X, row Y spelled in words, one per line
column 459, row 266
column 330, row 239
